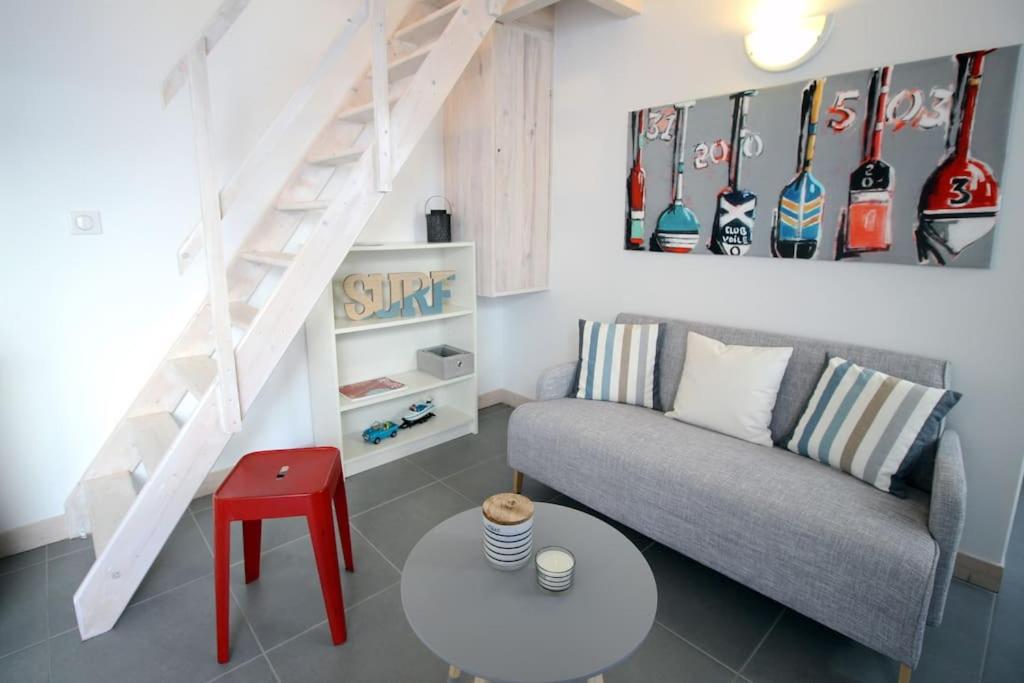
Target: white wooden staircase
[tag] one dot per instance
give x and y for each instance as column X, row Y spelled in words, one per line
column 302, row 198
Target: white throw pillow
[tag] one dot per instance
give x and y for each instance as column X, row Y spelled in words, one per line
column 730, row 389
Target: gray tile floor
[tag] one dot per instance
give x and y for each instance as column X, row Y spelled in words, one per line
column 708, row 628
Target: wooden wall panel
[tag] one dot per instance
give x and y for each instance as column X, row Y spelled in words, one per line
column 522, row 159
column 498, row 156
column 469, row 140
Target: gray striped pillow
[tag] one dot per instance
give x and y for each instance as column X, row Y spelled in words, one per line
column 620, row 363
column 870, row 424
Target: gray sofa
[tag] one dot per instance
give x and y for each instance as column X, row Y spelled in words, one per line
column 863, row 562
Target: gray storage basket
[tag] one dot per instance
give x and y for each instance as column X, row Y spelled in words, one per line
column 444, row 362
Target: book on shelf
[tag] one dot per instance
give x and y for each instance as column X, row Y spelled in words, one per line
column 370, row 387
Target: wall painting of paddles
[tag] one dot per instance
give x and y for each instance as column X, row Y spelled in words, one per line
column 897, row 164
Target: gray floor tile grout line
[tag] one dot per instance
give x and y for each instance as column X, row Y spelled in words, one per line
column 73, row 552
column 201, row 534
column 485, row 461
column 988, row 637
column 252, row 630
column 21, row 649
column 64, row 632
column 169, row 590
column 238, row 604
column 421, row 468
column 324, row 621
column 46, row 593
column 222, row 674
column 20, row 569
column 392, row 500
column 357, row 603
column 460, row 494
column 757, row 648
column 263, row 551
column 370, row 543
column 46, row 560
column 234, row 598
column 698, row 648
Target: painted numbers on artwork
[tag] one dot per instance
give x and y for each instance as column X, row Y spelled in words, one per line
column 751, row 145
column 660, row 123
column 905, row 108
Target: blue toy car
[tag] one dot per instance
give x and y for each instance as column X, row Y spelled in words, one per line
column 380, row 430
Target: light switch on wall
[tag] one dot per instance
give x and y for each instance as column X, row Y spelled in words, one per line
column 86, row 223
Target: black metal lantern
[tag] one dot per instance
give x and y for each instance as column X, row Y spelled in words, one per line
column 439, row 221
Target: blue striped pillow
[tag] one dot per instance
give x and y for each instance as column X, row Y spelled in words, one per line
column 870, row 424
column 620, row 363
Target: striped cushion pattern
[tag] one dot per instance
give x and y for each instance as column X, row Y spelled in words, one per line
column 619, row 363
column 870, row 424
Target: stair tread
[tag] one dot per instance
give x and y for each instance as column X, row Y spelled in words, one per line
column 109, row 499
column 307, row 205
column 333, row 159
column 409, row 64
column 152, row 436
column 195, row 373
column 103, row 503
column 278, row 259
column 364, row 112
column 242, row 314
column 427, row 25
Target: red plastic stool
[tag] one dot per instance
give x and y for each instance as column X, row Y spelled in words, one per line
column 289, row 483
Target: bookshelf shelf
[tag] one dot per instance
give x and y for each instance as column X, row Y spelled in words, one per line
column 342, row 351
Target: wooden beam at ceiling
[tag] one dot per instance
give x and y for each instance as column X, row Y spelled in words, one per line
column 622, row 8
column 517, row 9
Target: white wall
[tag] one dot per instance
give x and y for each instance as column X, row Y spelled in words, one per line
column 605, row 68
column 84, row 320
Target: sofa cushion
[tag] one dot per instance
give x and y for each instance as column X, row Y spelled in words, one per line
column 730, row 388
column 620, row 363
column 827, row 545
column 805, row 367
column 870, row 424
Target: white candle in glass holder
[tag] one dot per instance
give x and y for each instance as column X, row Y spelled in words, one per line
column 555, row 560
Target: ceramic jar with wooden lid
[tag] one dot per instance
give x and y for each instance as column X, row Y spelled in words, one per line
column 508, row 530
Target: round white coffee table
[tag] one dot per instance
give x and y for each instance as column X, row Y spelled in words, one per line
column 503, row 627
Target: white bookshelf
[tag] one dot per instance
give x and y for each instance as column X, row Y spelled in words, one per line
column 342, row 351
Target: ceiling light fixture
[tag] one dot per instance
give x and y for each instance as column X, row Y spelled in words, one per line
column 786, row 43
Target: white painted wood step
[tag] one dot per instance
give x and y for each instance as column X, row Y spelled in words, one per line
column 194, row 373
column 276, row 259
column 122, row 565
column 152, row 436
column 409, row 64
column 345, row 156
column 310, row 205
column 242, row 314
column 363, row 113
column 429, row 27
column 109, row 498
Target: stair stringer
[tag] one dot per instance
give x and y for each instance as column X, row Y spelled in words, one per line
column 122, row 565
column 246, row 199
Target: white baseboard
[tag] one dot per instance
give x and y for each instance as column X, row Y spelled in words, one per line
column 505, row 396
column 34, row 535
column 53, row 529
column 980, row 572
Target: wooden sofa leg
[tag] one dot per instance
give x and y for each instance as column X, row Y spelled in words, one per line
column 905, row 672
column 517, row 482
